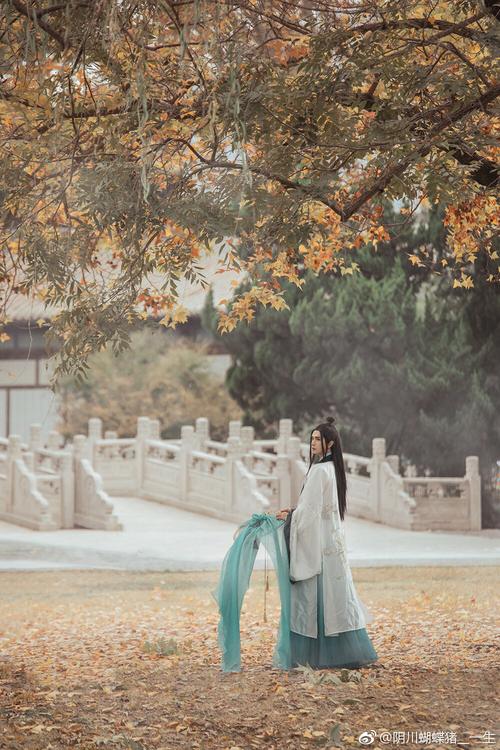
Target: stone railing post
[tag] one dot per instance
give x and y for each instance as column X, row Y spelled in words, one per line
column 95, row 433
column 285, row 484
column 79, row 447
column 13, row 453
column 82, row 500
column 80, row 450
column 187, row 445
column 142, row 434
column 247, row 439
column 285, row 433
column 67, row 491
column 201, row 433
column 29, row 460
column 296, row 473
column 35, row 438
column 233, row 454
column 154, row 429
column 53, row 441
column 234, row 428
column 87, row 448
column 474, row 478
column 378, row 457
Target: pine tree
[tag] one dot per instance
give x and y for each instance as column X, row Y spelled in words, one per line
column 388, row 354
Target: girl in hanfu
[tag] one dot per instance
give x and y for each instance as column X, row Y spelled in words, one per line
column 327, row 618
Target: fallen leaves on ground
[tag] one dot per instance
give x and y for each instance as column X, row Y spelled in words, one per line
column 116, row 660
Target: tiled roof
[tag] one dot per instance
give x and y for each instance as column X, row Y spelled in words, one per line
column 21, row 307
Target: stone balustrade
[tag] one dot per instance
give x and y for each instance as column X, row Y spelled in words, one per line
column 56, row 486
column 45, row 488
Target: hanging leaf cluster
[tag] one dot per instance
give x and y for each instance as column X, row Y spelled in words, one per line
column 138, row 135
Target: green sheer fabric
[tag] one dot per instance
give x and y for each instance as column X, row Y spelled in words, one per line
column 350, row 649
column 233, row 583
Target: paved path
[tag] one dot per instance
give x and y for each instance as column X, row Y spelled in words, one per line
column 158, row 537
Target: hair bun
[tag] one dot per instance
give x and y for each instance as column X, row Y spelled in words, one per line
column 330, row 420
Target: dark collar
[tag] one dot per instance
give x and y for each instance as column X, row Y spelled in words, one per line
column 328, row 457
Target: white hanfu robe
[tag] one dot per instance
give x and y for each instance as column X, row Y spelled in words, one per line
column 317, row 542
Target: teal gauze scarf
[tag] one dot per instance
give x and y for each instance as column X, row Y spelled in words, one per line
column 233, row 583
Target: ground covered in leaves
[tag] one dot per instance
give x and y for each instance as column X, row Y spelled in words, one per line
column 116, row 660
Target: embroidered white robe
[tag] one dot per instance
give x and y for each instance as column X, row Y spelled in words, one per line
column 317, row 541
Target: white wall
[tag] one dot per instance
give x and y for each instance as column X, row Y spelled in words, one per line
column 25, row 406
column 32, row 405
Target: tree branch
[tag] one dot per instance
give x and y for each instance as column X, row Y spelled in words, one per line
column 446, row 27
column 381, row 183
column 487, row 173
column 209, row 164
column 34, row 16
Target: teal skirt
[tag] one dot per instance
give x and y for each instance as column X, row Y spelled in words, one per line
column 350, row 649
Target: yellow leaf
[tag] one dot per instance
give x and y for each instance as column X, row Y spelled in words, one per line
column 381, row 91
column 180, row 315
column 37, row 729
column 468, row 282
column 279, row 304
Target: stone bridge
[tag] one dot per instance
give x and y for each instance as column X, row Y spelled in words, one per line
column 61, row 486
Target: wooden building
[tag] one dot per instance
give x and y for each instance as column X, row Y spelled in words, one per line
column 25, row 365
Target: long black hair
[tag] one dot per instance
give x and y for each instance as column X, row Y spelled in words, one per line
column 329, row 432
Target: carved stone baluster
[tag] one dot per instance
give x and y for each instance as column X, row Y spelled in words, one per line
column 234, row 453
column 13, row 453
column 234, row 428
column 187, row 445
column 143, row 433
column 474, row 479
column 201, row 433
column 247, row 439
column 67, row 491
column 378, row 456
column 155, row 429
column 284, row 480
column 285, row 433
column 95, row 434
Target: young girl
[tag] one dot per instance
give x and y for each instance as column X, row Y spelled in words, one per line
column 327, row 624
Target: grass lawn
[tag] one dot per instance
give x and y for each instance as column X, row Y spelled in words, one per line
column 120, row 660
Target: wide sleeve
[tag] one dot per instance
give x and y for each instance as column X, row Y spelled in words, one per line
column 305, row 528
